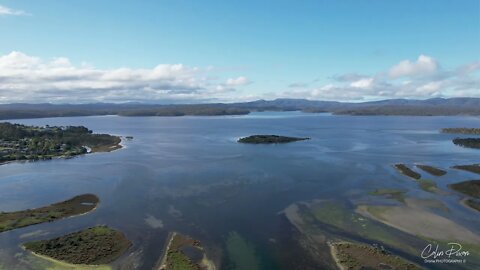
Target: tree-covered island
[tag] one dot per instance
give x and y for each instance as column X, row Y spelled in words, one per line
column 21, row 142
column 93, row 246
column 267, row 139
column 467, row 142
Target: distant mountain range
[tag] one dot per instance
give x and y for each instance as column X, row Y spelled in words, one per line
column 435, row 106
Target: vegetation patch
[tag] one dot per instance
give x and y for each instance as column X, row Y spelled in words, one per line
column 470, row 188
column 469, row 131
column 268, row 139
column 467, row 142
column 184, row 253
column 75, row 206
column 20, row 142
column 241, row 253
column 93, row 246
column 395, row 194
column 474, row 168
column 356, row 257
column 336, row 215
column 405, row 170
column 472, row 203
column 432, row 170
column 427, row 185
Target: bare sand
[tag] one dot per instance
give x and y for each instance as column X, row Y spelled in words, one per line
column 414, row 219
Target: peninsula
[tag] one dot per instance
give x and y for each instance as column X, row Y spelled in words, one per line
column 21, row 142
column 77, row 205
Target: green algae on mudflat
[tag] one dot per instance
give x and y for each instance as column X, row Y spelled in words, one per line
column 334, row 218
column 428, row 185
column 395, row 194
column 77, row 205
column 241, row 254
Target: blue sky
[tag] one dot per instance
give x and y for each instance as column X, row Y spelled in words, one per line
column 237, row 50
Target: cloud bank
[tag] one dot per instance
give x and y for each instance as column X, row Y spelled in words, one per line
column 419, row 79
column 5, row 11
column 25, row 78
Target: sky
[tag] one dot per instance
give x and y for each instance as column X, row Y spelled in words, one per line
column 179, row 51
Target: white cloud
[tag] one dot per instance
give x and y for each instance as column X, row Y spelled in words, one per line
column 420, row 79
column 430, row 87
column 237, row 81
column 362, row 83
column 24, row 78
column 425, row 65
column 12, row 12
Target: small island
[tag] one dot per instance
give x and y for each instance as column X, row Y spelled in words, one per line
column 472, row 203
column 467, row 142
column 92, row 246
column 405, row 170
column 77, row 205
column 21, row 142
column 470, row 188
column 431, row 170
column 269, row 139
column 473, row 168
column 469, row 131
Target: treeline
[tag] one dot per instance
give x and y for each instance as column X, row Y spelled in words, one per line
column 412, row 110
column 183, row 110
column 467, row 142
column 21, row 142
column 470, row 131
column 429, row 107
column 13, row 132
column 125, row 110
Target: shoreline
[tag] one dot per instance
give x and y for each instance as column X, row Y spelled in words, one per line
column 161, row 263
column 405, row 218
column 463, row 202
column 90, row 151
column 66, row 264
column 57, row 219
column 333, row 253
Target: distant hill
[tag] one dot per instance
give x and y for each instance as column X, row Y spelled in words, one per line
column 435, row 106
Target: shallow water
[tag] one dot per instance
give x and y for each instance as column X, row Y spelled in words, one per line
column 188, row 174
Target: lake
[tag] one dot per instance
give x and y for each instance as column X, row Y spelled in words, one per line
column 188, row 174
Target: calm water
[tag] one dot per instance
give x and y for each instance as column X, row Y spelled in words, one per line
column 188, row 174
